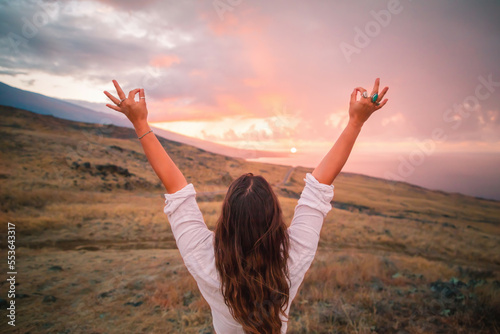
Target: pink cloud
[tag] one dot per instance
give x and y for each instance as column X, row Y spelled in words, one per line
column 164, row 61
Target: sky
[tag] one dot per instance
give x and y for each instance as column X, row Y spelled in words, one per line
column 277, row 75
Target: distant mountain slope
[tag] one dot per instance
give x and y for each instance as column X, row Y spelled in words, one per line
column 44, row 152
column 51, row 151
column 41, row 104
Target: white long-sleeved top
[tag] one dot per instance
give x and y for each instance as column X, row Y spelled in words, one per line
column 196, row 244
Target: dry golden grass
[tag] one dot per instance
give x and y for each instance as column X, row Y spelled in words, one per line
column 392, row 257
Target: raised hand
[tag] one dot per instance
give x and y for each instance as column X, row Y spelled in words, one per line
column 136, row 112
column 361, row 110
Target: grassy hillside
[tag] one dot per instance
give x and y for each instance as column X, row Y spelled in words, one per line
column 95, row 253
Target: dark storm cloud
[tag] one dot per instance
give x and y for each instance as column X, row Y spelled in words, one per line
column 87, row 46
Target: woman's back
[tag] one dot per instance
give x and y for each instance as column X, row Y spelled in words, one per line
column 196, row 244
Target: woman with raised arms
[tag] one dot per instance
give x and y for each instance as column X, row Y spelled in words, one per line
column 250, row 268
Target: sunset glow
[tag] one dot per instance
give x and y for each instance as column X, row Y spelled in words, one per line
column 277, row 77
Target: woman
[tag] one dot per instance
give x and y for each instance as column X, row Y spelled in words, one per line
column 248, row 270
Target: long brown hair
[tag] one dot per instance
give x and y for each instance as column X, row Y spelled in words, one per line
column 251, row 252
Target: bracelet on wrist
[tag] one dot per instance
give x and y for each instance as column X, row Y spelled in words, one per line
column 145, row 134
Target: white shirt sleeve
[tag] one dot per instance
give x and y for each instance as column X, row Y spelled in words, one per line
column 186, row 220
column 304, row 231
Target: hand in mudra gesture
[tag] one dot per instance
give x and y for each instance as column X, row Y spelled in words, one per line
column 136, row 111
column 361, row 110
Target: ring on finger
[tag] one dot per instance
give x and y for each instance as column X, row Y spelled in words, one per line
column 365, row 94
column 121, row 101
column 374, row 97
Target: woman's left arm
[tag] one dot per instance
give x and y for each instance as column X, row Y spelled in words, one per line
column 169, row 174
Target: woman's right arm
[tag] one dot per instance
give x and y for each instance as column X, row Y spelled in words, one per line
column 359, row 112
column 137, row 112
